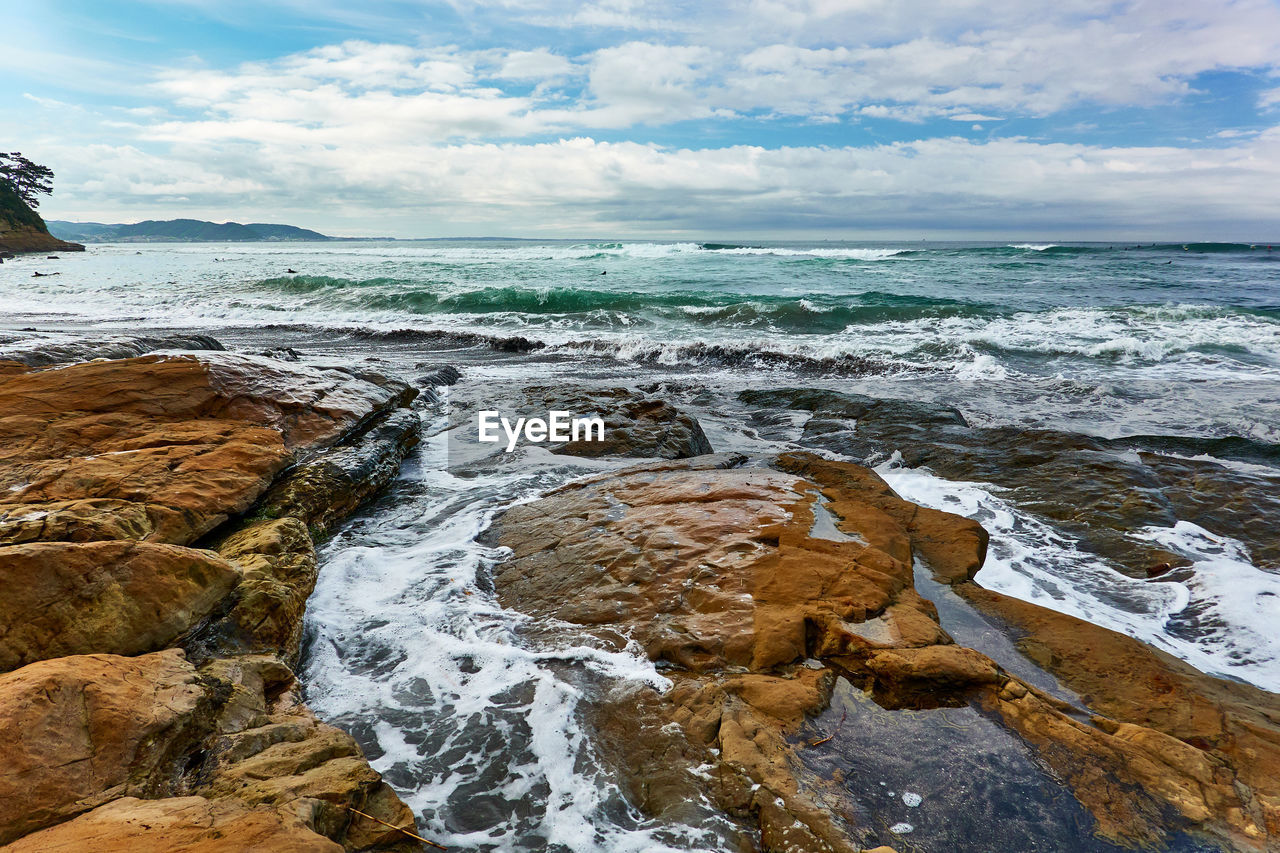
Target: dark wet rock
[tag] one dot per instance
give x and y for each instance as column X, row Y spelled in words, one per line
column 635, row 424
column 441, row 377
column 1096, row 490
column 47, row 350
column 326, row 489
column 442, row 338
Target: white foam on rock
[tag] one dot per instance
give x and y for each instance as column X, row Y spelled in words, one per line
column 475, row 724
column 1220, row 620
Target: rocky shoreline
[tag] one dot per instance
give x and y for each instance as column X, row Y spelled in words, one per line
column 156, row 543
column 764, row 583
column 158, row 522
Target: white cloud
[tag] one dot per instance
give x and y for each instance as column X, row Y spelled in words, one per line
column 580, row 186
column 444, row 135
column 541, row 65
column 910, row 61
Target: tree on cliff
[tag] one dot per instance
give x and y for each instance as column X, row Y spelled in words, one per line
column 25, row 178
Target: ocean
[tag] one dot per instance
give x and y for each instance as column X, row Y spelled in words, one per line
column 1101, row 408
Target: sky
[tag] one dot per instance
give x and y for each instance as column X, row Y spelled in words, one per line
column 831, row 119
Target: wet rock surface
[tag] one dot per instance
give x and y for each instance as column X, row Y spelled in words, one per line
column 1098, row 490
column 156, row 601
column 777, row 595
column 34, row 349
column 178, row 825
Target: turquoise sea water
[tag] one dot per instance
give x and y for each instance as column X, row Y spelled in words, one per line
column 978, row 310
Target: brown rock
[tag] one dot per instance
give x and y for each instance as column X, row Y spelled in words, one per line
column 719, row 569
column 191, row 440
column 107, row 469
column 80, row 731
column 1190, row 738
column 930, row 676
column 308, row 407
column 177, row 825
column 709, row 567
column 952, row 546
column 732, row 574
column 92, row 520
column 298, row 764
column 279, row 565
column 117, row 597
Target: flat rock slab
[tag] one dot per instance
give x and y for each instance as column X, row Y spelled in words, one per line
column 177, row 825
column 165, row 448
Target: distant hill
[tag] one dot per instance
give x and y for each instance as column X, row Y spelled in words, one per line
column 181, row 231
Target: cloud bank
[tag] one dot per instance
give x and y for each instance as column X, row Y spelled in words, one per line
column 756, row 117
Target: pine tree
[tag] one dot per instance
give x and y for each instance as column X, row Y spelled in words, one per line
column 29, row 180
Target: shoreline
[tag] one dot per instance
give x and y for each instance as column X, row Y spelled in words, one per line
column 1036, row 634
column 184, row 559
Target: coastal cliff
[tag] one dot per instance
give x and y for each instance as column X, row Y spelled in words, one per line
column 22, row 229
column 157, row 526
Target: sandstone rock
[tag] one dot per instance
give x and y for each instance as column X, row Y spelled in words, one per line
column 95, row 519
column 118, row 597
column 931, row 676
column 952, row 546
column 82, row 730
column 177, row 825
column 1195, row 740
column 187, row 477
column 708, row 567
column 729, row 572
column 325, row 490
column 107, row 470
column 308, row 407
column 278, row 562
column 735, row 574
column 274, row 752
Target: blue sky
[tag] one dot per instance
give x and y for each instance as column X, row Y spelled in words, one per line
column 822, row 118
